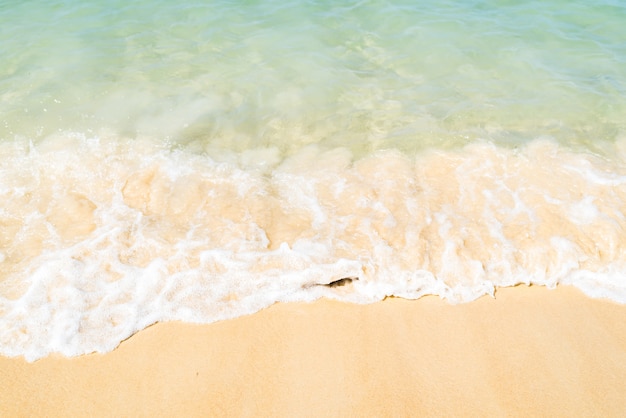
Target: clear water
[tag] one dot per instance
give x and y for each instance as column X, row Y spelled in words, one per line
column 201, row 161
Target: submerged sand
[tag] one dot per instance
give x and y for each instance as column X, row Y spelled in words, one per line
column 528, row 352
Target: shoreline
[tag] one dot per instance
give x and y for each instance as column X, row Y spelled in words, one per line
column 530, row 351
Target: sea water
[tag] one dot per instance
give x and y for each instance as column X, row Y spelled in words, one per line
column 202, row 160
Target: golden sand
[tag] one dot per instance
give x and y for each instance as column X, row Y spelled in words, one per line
column 528, row 352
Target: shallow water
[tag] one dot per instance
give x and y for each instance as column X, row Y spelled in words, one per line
column 203, row 161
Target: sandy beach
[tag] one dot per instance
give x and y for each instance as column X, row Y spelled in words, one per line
column 165, row 165
column 528, row 352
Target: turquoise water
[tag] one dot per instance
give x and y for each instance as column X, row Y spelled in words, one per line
column 366, row 75
column 204, row 160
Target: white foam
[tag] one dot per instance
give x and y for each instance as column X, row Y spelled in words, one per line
column 106, row 236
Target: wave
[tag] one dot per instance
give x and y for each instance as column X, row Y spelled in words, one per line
column 101, row 237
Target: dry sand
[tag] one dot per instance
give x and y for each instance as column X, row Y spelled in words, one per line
column 529, row 352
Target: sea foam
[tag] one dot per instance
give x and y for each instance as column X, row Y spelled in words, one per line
column 102, row 236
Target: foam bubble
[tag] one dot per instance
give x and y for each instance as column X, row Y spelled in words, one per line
column 103, row 240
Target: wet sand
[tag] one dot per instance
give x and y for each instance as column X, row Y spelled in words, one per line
column 528, row 352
